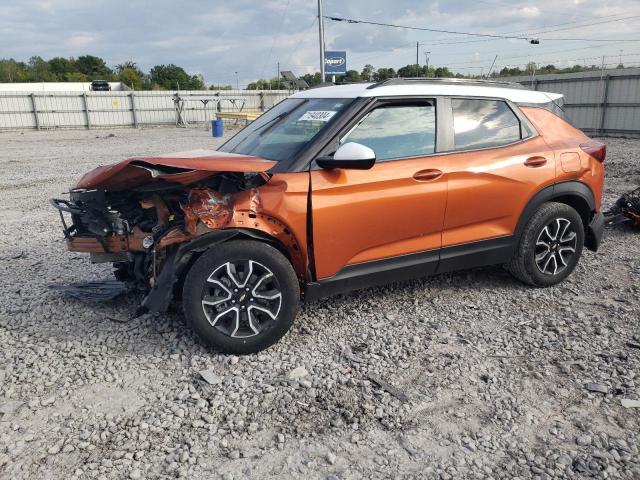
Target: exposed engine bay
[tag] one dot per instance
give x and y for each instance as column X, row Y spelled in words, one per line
column 145, row 227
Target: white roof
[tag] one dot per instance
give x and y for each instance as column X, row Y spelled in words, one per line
column 356, row 90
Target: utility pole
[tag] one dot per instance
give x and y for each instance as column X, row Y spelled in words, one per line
column 492, row 64
column 237, row 82
column 533, row 73
column 426, row 59
column 278, row 78
column 321, row 35
column 417, row 59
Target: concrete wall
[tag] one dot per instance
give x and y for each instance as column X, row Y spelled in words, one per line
column 47, row 110
column 600, row 103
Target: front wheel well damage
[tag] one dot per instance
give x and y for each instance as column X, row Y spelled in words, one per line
column 181, row 257
column 242, row 234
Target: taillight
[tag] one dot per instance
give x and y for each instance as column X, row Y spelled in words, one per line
column 596, row 149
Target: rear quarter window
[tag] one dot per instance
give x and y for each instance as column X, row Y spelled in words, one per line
column 556, row 107
column 481, row 123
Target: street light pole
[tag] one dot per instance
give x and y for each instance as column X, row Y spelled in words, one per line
column 321, row 35
column 237, row 82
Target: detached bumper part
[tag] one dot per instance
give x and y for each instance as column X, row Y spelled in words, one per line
column 594, row 232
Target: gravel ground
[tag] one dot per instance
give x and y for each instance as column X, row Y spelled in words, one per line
column 479, row 376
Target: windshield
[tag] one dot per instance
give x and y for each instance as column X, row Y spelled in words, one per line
column 280, row 133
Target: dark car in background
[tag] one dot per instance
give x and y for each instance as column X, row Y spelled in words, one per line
column 100, row 86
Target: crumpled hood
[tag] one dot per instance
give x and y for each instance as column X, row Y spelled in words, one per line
column 182, row 167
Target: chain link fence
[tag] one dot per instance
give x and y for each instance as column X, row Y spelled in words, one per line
column 50, row 110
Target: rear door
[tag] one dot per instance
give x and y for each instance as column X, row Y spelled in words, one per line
column 498, row 162
column 395, row 208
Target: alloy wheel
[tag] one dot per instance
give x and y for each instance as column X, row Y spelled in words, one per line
column 555, row 246
column 241, row 298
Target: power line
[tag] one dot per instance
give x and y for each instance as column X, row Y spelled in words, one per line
column 488, row 35
column 379, row 24
column 534, row 33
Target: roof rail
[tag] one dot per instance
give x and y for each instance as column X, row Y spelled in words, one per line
column 445, row 81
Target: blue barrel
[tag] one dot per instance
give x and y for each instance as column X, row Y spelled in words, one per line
column 217, row 128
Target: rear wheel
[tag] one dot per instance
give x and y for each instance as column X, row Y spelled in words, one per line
column 241, row 297
column 550, row 246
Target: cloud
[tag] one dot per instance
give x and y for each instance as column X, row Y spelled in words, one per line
column 81, row 40
column 527, row 12
column 217, row 38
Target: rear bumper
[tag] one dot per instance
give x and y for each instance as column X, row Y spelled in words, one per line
column 594, row 232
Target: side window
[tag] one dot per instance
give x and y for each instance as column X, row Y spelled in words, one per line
column 397, row 131
column 483, row 123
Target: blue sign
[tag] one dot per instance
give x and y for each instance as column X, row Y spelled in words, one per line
column 335, row 63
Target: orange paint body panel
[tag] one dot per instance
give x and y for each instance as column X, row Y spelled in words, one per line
column 136, row 171
column 284, row 197
column 363, row 215
column 488, row 189
column 564, row 138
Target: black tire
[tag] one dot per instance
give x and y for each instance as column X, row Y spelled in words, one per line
column 532, row 262
column 249, row 324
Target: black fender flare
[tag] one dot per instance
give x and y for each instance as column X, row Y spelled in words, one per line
column 179, row 257
column 576, row 190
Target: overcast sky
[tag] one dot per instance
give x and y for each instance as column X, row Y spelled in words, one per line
column 217, row 38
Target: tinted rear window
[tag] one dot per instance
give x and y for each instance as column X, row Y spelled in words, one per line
column 483, row 123
column 554, row 106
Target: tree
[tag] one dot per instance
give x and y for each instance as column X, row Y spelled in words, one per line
column 443, row 72
column 271, row 84
column 510, row 72
column 384, row 73
column 312, row 79
column 352, row 76
column 407, row 71
column 129, row 74
column 221, row 87
column 75, row 77
column 172, row 77
column 93, row 67
column 367, row 72
column 39, row 70
column 12, row 71
column 61, row 67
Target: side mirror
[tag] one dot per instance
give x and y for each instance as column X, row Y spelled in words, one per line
column 350, row 155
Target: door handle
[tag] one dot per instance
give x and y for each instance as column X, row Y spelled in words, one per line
column 427, row 175
column 535, row 162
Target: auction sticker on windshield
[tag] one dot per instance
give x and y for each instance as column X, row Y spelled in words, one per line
column 317, row 116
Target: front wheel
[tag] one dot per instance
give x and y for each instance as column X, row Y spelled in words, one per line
column 241, row 297
column 550, row 246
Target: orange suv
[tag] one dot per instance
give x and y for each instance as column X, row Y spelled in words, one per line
column 344, row 187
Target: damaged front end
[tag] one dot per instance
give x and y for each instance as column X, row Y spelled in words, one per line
column 150, row 216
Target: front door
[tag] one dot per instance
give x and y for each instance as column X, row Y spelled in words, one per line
column 395, row 208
